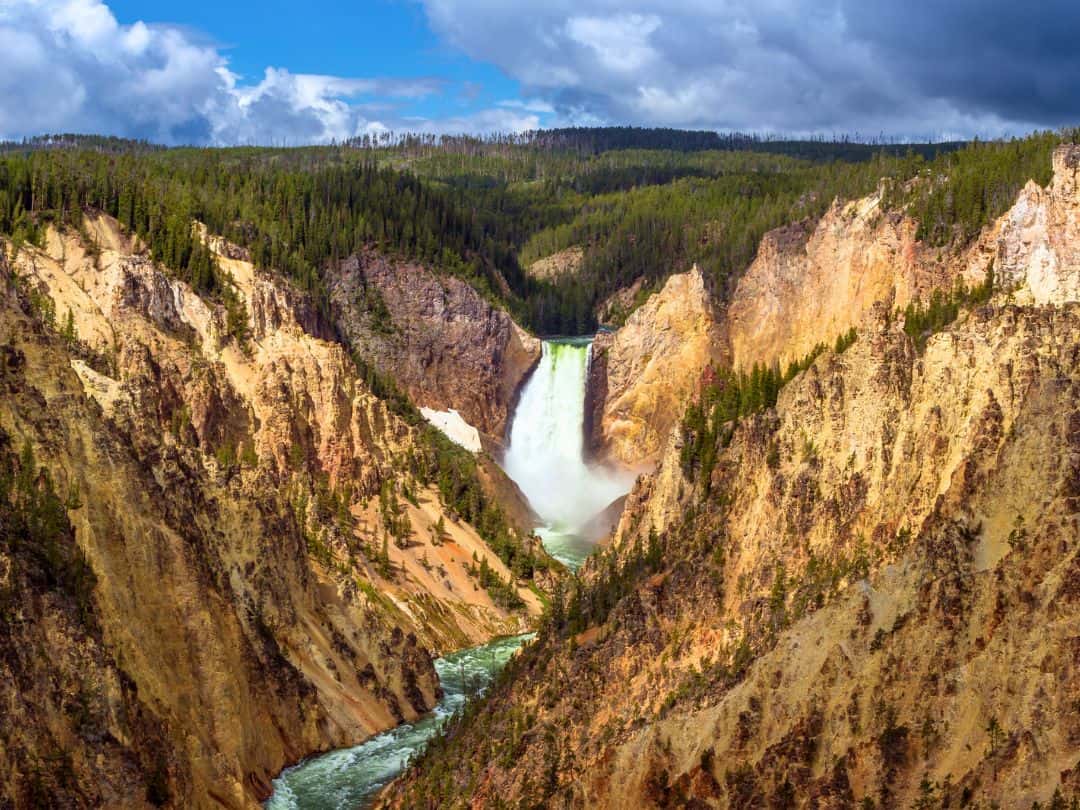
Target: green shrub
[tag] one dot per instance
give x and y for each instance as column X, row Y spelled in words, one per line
column 922, row 321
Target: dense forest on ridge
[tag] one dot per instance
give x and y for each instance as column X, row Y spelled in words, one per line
column 641, row 204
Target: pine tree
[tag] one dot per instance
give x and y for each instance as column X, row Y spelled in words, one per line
column 68, row 332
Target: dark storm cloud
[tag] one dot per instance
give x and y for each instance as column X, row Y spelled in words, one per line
column 1017, row 60
column 957, row 68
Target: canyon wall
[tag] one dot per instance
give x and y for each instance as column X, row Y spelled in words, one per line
column 809, row 283
column 641, row 375
column 443, row 343
column 840, row 642
column 230, row 482
column 807, row 636
column 1036, row 245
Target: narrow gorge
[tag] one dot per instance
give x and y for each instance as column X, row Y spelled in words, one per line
column 546, row 458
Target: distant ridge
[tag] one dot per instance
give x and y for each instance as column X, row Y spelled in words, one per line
column 108, row 144
column 582, row 140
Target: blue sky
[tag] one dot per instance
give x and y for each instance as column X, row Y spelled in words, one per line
column 367, row 38
column 288, row 73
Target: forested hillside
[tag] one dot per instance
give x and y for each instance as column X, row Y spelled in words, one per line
column 295, row 212
column 640, row 204
column 643, row 204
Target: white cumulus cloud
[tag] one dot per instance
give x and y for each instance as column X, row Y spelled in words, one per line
column 70, row 66
column 951, row 68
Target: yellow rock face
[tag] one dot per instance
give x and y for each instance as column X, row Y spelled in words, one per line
column 808, row 287
column 1036, row 245
column 641, row 376
column 246, row 611
column 953, row 474
column 809, row 284
column 565, row 262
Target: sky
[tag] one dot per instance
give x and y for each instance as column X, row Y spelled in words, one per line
column 289, row 73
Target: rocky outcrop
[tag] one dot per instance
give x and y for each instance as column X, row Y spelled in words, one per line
column 812, row 281
column 1037, row 243
column 553, row 267
column 808, row 284
column 233, row 498
column 641, row 376
column 506, row 493
column 445, row 345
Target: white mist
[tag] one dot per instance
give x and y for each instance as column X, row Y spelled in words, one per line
column 546, row 453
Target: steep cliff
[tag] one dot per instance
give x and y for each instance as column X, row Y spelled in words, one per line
column 641, row 375
column 867, row 598
column 439, row 339
column 808, row 285
column 1036, row 245
column 812, row 281
column 270, row 559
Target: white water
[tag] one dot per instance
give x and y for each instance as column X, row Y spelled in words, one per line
column 546, row 453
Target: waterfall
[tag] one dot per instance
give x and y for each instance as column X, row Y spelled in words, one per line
column 546, row 453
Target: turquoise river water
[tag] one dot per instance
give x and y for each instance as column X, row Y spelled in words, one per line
column 352, row 777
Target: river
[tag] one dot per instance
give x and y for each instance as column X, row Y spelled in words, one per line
column 546, row 459
column 352, row 777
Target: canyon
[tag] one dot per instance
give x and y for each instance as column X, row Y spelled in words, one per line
column 235, row 502
column 786, row 537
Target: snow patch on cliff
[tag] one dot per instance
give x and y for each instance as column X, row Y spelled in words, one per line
column 455, row 427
